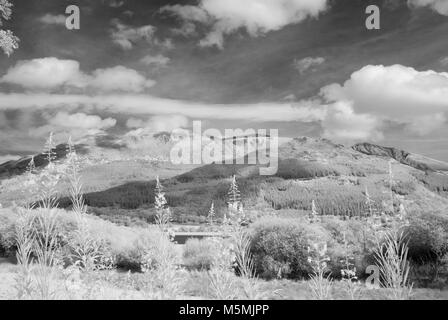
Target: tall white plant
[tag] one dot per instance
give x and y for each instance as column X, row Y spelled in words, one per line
column 163, row 213
column 392, row 259
column 74, row 179
column 49, row 147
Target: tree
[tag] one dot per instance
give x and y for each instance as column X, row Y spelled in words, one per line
column 8, row 41
column 313, row 215
column 211, row 214
column 234, row 196
column 50, row 155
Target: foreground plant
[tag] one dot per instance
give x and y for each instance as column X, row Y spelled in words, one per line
column 46, row 249
column 160, row 258
column 320, row 283
column 392, row 259
column 24, row 237
column 351, row 284
column 222, row 279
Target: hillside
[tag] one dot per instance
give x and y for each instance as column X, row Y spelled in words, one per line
column 334, row 176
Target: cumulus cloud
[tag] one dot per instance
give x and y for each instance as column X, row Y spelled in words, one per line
column 255, row 16
column 159, row 123
column 53, row 19
column 77, row 125
column 52, row 73
column 44, row 73
column 119, row 78
column 157, row 60
column 418, row 99
column 342, row 123
column 307, row 64
column 126, row 36
column 441, row 6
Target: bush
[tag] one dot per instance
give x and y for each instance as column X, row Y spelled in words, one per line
column 128, row 247
column 7, row 233
column 428, row 238
column 199, row 254
column 148, row 246
column 280, row 247
column 403, row 188
column 66, row 224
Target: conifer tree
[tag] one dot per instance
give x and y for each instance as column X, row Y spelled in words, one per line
column 234, row 196
column 313, row 215
column 211, row 214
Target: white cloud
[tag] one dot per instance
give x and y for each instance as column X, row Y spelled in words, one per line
column 441, row 6
column 255, row 16
column 53, row 19
column 77, row 125
column 424, row 125
column 159, row 123
column 418, row 99
column 125, row 36
column 158, row 60
column 44, row 73
column 444, row 61
column 120, row 78
column 52, row 73
column 138, row 104
column 342, row 123
column 305, row 64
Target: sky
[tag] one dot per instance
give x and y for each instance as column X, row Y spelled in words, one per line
column 304, row 67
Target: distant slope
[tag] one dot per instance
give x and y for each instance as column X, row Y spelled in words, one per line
column 414, row 160
column 17, row 167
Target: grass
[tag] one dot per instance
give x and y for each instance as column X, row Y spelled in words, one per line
column 392, row 259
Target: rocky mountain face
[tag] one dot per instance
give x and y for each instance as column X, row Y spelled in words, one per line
column 407, row 158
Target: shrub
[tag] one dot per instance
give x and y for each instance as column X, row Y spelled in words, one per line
column 280, row 247
column 428, row 234
column 199, row 254
column 143, row 250
column 403, row 188
column 7, row 232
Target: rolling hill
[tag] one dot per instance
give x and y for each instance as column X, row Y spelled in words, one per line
column 334, row 176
